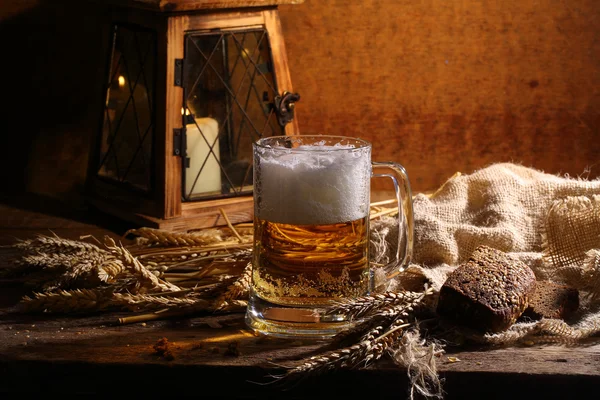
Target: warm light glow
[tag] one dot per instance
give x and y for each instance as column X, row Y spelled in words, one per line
column 245, row 53
column 187, row 111
column 225, row 338
column 121, row 81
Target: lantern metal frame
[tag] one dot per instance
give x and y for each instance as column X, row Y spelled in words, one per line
column 242, row 73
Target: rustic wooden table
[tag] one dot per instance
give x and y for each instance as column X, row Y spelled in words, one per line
column 217, row 357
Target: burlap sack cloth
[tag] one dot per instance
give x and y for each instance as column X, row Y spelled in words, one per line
column 549, row 222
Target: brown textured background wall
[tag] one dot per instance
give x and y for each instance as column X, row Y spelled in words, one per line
column 440, row 86
column 444, row 86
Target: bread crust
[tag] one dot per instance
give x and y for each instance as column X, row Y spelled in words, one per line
column 487, row 293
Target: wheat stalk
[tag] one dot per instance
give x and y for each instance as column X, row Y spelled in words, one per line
column 158, row 237
column 146, row 278
column 55, row 252
column 143, row 302
column 385, row 317
column 230, row 225
column 384, row 314
column 201, row 305
column 80, row 300
column 83, row 275
column 361, row 354
column 232, row 306
column 54, row 244
column 65, row 261
column 237, row 290
column 110, row 269
column 367, row 305
column 196, row 265
column 67, row 301
column 64, row 270
column 175, row 255
column 360, row 331
column 45, row 260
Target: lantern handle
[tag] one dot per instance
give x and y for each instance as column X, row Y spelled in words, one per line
column 284, row 107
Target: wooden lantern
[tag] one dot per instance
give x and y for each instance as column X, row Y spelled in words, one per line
column 189, row 85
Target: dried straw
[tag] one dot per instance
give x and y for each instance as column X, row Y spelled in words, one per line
column 419, row 358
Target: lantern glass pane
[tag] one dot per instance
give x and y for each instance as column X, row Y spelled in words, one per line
column 229, row 87
column 128, row 129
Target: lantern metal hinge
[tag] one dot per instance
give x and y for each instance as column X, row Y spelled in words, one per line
column 178, row 72
column 284, row 107
column 179, row 145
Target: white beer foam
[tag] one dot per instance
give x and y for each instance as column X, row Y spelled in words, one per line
column 321, row 187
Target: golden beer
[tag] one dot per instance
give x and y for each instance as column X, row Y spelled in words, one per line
column 310, row 265
column 311, row 232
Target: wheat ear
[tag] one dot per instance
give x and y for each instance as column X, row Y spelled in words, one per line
column 361, row 330
column 158, row 237
column 147, row 279
column 67, row 301
column 110, row 269
column 368, row 305
column 55, row 244
column 141, row 302
column 238, row 290
column 375, row 345
column 232, row 306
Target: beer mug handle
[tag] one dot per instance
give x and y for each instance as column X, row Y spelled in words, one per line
column 405, row 216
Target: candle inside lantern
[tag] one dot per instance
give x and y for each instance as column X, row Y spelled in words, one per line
column 200, row 135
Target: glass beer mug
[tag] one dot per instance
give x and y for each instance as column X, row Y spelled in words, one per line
column 311, row 231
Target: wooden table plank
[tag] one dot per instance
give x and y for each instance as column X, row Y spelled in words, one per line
column 46, row 348
column 215, row 356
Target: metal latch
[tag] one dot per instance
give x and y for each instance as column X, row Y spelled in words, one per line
column 284, row 107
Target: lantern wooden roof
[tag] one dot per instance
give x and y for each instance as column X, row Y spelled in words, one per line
column 196, row 5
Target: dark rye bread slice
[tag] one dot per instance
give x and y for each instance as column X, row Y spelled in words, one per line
column 552, row 300
column 488, row 293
